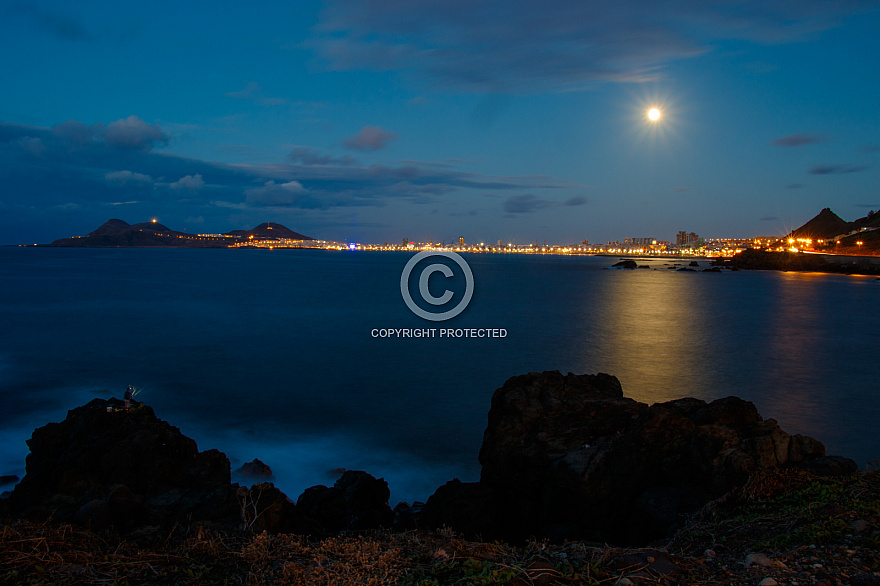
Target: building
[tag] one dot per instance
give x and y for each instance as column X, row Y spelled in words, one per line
column 687, row 239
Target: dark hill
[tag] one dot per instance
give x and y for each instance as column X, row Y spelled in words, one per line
column 825, row 225
column 270, row 231
column 118, row 233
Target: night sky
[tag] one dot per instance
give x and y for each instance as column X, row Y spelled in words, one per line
column 379, row 120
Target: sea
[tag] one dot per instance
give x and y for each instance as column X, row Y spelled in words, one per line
column 300, row 357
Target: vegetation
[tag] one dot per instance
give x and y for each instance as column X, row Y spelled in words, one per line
column 811, row 529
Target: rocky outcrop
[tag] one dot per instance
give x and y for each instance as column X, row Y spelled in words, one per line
column 562, row 457
column 106, row 464
column 357, row 501
column 255, row 470
column 570, row 456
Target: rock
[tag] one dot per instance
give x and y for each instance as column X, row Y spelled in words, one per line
column 467, row 507
column 255, row 470
column 758, row 559
column 859, row 526
column 406, row 516
column 829, row 466
column 321, row 511
column 768, row 582
column 656, row 562
column 625, row 264
column 624, row 582
column 693, row 263
column 9, row 479
column 265, row 508
column 357, row 501
column 95, row 515
column 366, row 501
column 93, row 451
column 571, row 457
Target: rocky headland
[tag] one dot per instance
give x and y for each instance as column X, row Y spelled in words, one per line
column 565, row 459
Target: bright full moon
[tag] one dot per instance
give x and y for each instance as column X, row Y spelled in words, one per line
column 654, row 114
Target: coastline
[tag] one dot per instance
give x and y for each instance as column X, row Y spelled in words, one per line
column 742, row 536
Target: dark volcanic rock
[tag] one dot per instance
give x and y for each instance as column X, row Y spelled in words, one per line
column 357, row 501
column 626, row 264
column 569, row 456
column 468, row 507
column 255, row 469
column 265, row 508
column 10, row 479
column 141, row 467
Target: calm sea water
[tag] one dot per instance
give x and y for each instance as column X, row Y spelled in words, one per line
column 268, row 353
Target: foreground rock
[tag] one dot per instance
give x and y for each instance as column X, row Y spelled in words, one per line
column 106, row 465
column 571, row 457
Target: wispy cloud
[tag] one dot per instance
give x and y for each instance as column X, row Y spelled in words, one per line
column 310, row 156
column 254, row 92
column 799, row 139
column 369, row 138
column 527, row 46
column 308, row 179
column 577, row 200
column 51, row 21
column 836, row 169
column 191, row 182
column 524, row 204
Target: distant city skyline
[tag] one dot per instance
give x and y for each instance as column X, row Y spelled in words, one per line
column 359, row 121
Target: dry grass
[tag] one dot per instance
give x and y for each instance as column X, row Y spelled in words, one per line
column 786, row 514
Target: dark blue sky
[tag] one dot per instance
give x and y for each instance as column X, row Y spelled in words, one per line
column 379, row 120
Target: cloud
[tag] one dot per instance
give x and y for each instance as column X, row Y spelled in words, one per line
column 251, row 92
column 524, row 204
column 290, row 194
column 309, row 156
column 525, row 46
column 124, row 177
column 870, row 148
column 254, row 92
column 135, row 134
column 75, row 132
column 577, row 200
column 799, row 139
column 836, row 169
column 193, row 182
column 78, row 157
column 32, row 145
column 681, row 189
column 54, row 23
column 370, row 138
column 794, row 186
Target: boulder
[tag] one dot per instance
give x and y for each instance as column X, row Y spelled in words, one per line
column 265, row 508
column 140, row 467
column 255, row 469
column 571, row 457
column 357, row 501
column 625, row 264
column 467, row 507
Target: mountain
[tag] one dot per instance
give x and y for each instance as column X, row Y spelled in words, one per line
column 269, row 231
column 861, row 236
column 119, row 233
column 824, row 226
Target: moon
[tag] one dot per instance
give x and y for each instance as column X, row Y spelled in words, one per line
column 654, row 114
